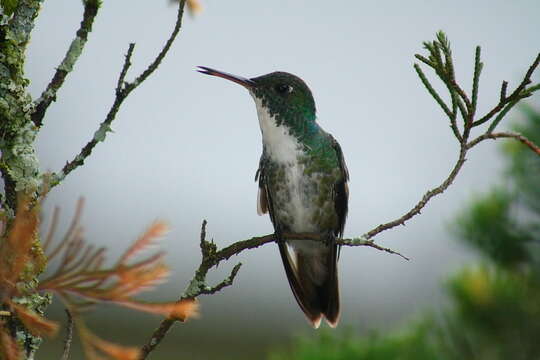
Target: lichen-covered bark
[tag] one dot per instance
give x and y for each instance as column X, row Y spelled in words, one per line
column 18, row 162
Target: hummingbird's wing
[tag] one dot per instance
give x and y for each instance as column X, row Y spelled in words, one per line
column 263, row 200
column 306, row 296
column 341, row 190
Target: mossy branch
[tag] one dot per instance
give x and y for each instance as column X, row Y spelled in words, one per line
column 76, row 48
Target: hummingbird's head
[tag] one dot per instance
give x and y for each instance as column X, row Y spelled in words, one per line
column 285, row 96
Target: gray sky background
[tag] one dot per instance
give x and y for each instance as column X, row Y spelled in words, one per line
column 186, row 147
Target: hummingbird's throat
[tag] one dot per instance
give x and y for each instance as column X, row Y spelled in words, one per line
column 279, row 142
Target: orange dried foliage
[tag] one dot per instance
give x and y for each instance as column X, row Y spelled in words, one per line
column 180, row 310
column 80, row 271
column 36, row 324
column 15, row 256
column 155, row 231
column 185, row 309
column 80, row 280
column 15, row 247
column 194, row 7
column 95, row 347
column 10, row 350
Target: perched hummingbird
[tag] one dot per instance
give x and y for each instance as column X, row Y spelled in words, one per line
column 302, row 185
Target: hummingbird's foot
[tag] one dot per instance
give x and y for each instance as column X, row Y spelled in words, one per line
column 330, row 239
column 278, row 237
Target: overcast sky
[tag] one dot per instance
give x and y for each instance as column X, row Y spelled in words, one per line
column 186, row 147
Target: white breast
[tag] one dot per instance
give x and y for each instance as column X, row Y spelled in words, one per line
column 283, row 148
column 280, row 145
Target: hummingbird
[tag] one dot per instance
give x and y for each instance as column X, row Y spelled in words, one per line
column 302, row 180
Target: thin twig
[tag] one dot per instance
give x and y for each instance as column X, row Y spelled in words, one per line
column 91, row 8
column 527, row 79
column 501, row 115
column 52, row 229
column 504, row 88
column 69, row 335
column 223, row 284
column 156, row 337
column 423, row 202
column 535, row 148
column 127, row 64
column 122, row 92
column 453, row 119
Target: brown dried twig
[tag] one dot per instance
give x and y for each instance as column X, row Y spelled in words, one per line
column 80, row 281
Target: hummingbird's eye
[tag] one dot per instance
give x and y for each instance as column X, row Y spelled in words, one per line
column 284, row 89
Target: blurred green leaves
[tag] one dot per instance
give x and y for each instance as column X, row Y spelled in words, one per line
column 523, row 166
column 413, row 344
column 489, row 227
column 496, row 315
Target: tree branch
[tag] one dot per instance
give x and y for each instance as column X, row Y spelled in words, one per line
column 122, row 92
column 510, row 135
column 423, row 201
column 91, row 8
column 211, row 257
column 69, row 335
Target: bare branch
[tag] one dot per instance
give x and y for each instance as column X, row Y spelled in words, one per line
column 535, row 148
column 69, row 335
column 157, row 61
column 423, row 202
column 361, row 241
column 501, row 115
column 504, row 88
column 127, row 63
column 122, row 92
column 91, row 8
column 226, row 282
column 156, row 337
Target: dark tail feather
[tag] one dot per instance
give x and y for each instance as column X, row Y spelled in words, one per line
column 314, row 282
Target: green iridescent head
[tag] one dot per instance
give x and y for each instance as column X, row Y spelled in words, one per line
column 286, row 96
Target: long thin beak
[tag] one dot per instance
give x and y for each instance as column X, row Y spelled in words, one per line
column 247, row 83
